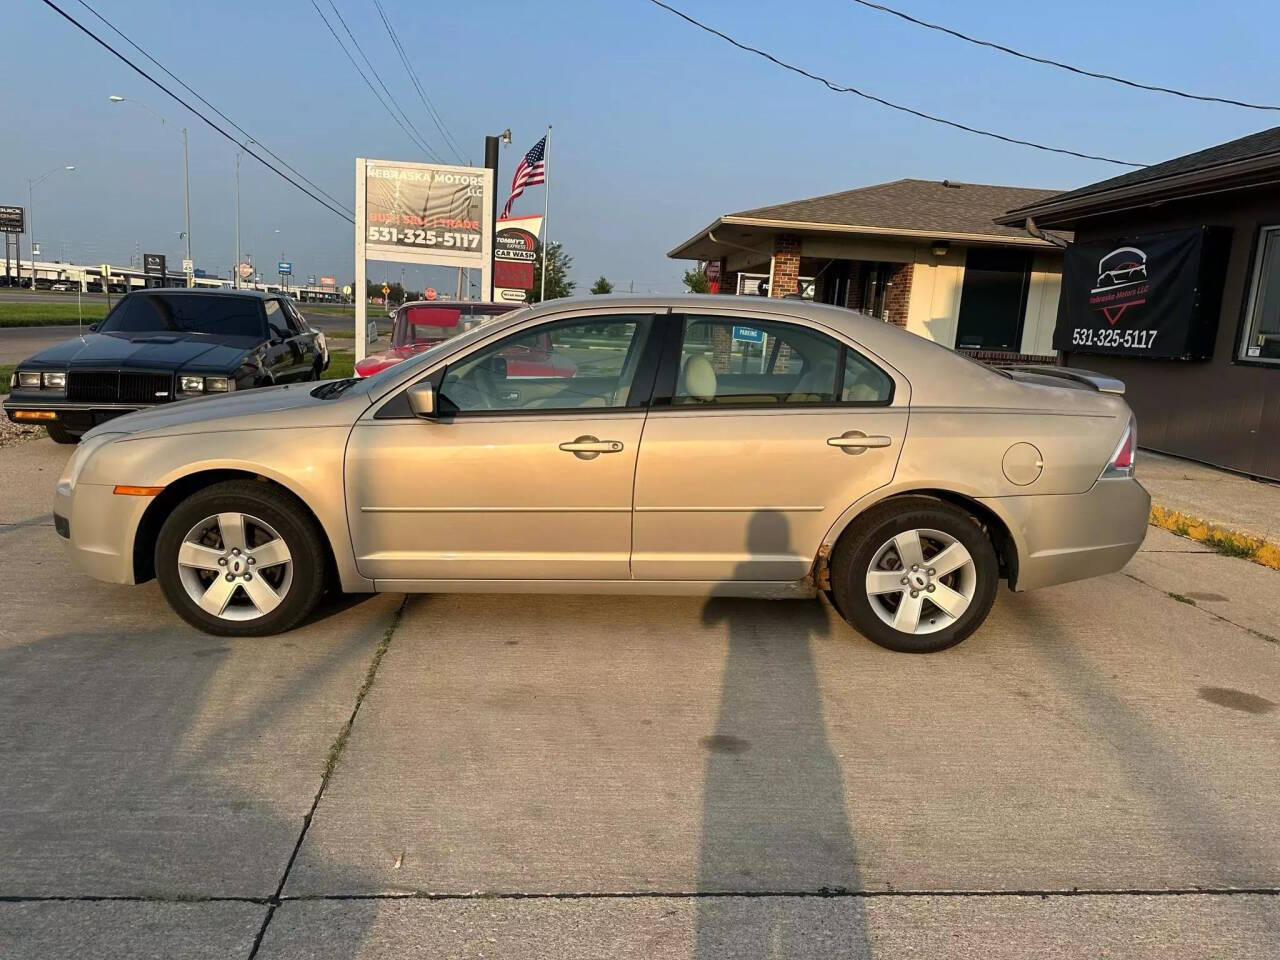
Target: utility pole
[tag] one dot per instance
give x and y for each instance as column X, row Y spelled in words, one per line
column 491, row 162
column 186, row 203
column 235, row 271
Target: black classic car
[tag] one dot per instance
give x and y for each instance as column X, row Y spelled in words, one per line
column 161, row 345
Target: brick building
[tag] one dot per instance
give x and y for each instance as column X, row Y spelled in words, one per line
column 926, row 255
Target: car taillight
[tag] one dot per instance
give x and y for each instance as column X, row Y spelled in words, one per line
column 1122, row 461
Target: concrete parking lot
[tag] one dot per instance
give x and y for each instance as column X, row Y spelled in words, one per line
column 1094, row 773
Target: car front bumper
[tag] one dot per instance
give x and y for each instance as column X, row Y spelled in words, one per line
column 99, row 529
column 1074, row 536
column 77, row 417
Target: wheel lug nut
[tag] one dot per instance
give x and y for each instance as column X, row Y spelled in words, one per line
column 915, row 567
column 252, row 560
column 930, row 588
column 248, row 576
column 230, row 577
column 904, row 581
column 915, row 593
column 932, row 572
column 222, row 561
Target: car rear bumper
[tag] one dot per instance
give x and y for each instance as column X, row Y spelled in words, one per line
column 1074, row 536
column 99, row 528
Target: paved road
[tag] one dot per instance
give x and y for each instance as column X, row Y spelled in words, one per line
column 18, row 343
column 1093, row 774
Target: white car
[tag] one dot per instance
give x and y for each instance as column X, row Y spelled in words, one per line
column 62, row 286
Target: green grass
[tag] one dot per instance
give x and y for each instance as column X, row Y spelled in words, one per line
column 51, row 314
column 342, row 364
column 329, row 309
column 6, row 371
column 1232, row 546
column 339, row 334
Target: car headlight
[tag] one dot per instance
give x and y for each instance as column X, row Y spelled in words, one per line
column 55, row 381
column 28, row 381
column 85, row 449
column 192, row 384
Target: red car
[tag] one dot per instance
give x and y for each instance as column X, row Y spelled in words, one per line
column 422, row 324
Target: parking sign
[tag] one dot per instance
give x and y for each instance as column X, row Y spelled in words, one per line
column 748, row 335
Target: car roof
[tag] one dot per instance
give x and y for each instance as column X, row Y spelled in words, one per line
column 202, row 291
column 469, row 304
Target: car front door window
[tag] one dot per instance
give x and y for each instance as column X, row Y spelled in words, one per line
column 565, row 365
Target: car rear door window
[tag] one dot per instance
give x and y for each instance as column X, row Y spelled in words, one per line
column 729, row 360
column 863, row 381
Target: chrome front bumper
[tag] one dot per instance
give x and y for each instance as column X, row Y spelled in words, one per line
column 1075, row 536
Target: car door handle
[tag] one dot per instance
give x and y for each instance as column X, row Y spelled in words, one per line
column 588, row 447
column 855, row 441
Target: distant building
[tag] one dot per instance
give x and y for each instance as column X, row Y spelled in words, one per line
column 1194, row 245
column 926, row 255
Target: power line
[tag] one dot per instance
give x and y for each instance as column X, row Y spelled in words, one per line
column 426, row 101
column 173, row 96
column 1061, row 66
column 186, row 87
column 418, row 142
column 837, row 88
column 374, row 71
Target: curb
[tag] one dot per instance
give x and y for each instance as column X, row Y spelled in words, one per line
column 1225, row 541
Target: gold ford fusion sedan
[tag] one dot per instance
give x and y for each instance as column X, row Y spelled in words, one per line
column 691, row 445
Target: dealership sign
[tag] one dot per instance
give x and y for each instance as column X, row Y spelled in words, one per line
column 421, row 213
column 12, row 219
column 153, row 264
column 1148, row 296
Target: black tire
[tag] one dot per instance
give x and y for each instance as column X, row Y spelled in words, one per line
column 60, row 434
column 859, row 545
column 276, row 507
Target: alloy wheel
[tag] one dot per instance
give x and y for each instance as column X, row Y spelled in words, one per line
column 235, row 566
column 921, row 581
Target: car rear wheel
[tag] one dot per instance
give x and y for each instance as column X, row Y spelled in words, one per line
column 240, row 558
column 915, row 575
column 60, row 434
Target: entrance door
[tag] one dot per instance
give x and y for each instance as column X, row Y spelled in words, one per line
column 526, row 474
column 761, row 434
column 993, row 299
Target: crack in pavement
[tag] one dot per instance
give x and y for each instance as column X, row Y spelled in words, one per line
column 331, row 764
column 1213, row 613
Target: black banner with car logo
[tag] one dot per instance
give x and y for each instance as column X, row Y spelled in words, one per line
column 1144, row 296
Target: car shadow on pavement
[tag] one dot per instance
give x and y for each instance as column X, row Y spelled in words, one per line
column 774, row 819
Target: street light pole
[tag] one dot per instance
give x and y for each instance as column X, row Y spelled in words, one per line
column 235, row 271
column 186, row 180
column 32, row 183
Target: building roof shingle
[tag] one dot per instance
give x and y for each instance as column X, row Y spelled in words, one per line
column 939, row 206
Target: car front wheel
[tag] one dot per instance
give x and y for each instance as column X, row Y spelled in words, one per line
column 915, row 575
column 240, row 558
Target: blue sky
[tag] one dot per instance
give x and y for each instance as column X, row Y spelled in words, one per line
column 658, row 127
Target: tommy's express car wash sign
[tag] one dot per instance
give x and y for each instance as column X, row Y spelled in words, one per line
column 1144, row 296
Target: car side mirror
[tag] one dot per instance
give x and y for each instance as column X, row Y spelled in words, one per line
column 93, row 327
column 422, row 400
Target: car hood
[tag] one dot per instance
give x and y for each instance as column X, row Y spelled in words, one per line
column 160, row 351
column 291, row 406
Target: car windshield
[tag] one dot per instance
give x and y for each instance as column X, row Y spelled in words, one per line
column 425, row 324
column 227, row 316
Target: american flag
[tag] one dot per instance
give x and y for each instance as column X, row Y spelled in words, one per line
column 530, row 173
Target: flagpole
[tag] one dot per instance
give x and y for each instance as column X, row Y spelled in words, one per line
column 546, row 212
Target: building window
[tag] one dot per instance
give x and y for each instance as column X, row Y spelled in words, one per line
column 993, row 299
column 1262, row 321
